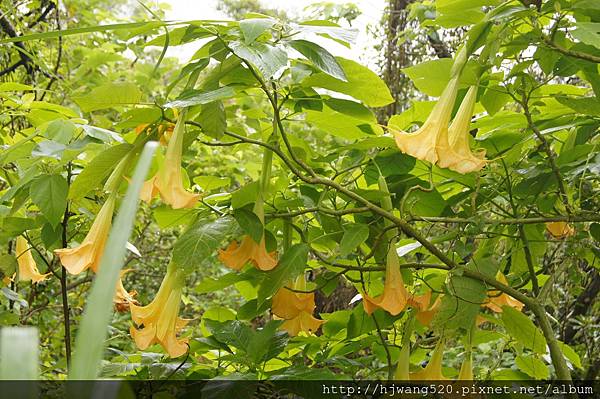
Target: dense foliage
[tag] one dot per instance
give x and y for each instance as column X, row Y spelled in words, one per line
column 287, row 228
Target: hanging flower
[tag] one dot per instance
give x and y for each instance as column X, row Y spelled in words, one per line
column 402, row 369
column 168, row 182
column 560, row 230
column 124, row 298
column 497, row 299
column 394, row 297
column 425, row 309
column 88, row 253
column 296, row 308
column 236, row 256
column 454, row 151
column 423, row 144
column 28, row 270
column 433, row 370
column 164, row 131
column 160, row 319
column 466, row 369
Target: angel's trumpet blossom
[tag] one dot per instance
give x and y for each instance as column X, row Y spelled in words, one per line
column 168, row 182
column 433, row 370
column 425, row 309
column 424, row 143
column 402, row 369
column 160, row 319
column 124, row 298
column 394, row 297
column 235, row 256
column 466, row 369
column 560, row 230
column 296, row 308
column 454, row 151
column 28, row 270
column 87, row 255
column 496, row 299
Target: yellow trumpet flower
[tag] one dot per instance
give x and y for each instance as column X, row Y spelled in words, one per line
column 394, row 297
column 28, row 270
column 168, row 182
column 454, row 151
column 424, row 143
column 466, row 369
column 160, row 319
column 124, row 298
column 433, row 370
column 88, row 253
column 496, row 299
column 236, row 256
column 402, row 369
column 296, row 308
column 425, row 309
column 560, row 230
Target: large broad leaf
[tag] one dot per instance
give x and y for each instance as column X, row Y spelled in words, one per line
column 431, row 77
column 196, row 97
column 250, row 223
column 362, row 84
column 532, row 366
column 342, row 126
column 97, row 170
column 353, row 237
column 108, row 96
column 460, row 308
column 521, row 328
column 266, row 58
column 320, row 57
column 588, row 33
column 254, row 27
column 49, row 193
column 200, row 241
column 213, row 119
column 93, row 329
column 291, row 264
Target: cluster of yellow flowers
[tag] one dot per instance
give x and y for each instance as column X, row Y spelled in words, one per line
column 438, row 143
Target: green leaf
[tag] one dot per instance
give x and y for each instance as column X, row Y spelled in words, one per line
column 291, row 265
column 342, row 126
column 362, row 84
column 352, row 238
column 460, row 308
column 49, row 193
column 195, row 97
column 250, row 223
column 521, row 328
column 200, row 241
column 570, row 354
column 253, row 28
column 213, row 119
column 588, row 33
column 320, row 57
column 431, row 77
column 267, row 342
column 97, row 170
column 8, row 265
column 266, row 58
column 108, row 96
column 532, row 366
column 91, row 335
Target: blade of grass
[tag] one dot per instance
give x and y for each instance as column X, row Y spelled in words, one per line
column 90, row 341
column 19, row 353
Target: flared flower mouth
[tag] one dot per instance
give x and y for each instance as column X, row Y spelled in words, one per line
column 560, row 230
column 395, row 296
column 28, row 270
column 425, row 309
column 87, row 255
column 235, row 256
column 168, row 181
column 496, row 299
column 433, row 370
column 124, row 298
column 296, row 308
column 159, row 321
